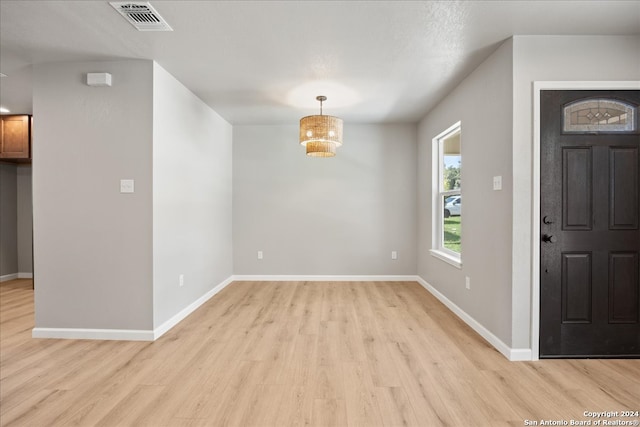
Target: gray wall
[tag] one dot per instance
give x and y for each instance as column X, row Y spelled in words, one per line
column 191, row 197
column 107, row 260
column 337, row 216
column 551, row 58
column 25, row 219
column 93, row 245
column 495, row 104
column 483, row 103
column 8, row 220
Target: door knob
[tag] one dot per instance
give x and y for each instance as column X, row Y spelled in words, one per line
column 548, row 238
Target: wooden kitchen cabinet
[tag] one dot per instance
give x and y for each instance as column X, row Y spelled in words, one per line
column 15, row 138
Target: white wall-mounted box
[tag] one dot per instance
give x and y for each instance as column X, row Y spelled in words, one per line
column 98, row 79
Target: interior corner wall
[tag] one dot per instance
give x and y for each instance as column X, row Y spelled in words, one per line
column 316, row 216
column 92, row 244
column 483, row 103
column 192, row 219
column 551, row 58
column 8, row 221
column 25, row 219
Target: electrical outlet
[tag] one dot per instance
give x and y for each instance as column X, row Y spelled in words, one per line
column 181, row 280
column 126, row 186
column 467, row 282
column 259, row 254
column 497, row 183
column 394, row 255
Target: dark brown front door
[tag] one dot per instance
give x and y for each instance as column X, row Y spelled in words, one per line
column 590, row 237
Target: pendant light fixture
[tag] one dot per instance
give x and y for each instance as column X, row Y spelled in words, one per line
column 321, row 134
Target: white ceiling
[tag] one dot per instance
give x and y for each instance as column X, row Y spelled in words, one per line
column 263, row 62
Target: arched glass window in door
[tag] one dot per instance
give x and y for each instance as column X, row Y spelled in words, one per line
column 599, row 115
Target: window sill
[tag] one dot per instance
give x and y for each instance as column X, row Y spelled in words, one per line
column 449, row 259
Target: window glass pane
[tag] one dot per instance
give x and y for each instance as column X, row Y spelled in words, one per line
column 451, row 163
column 447, row 226
column 599, row 115
column 452, row 222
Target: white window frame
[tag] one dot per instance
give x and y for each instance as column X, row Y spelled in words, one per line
column 438, row 249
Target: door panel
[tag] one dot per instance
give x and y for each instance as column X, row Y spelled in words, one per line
column 624, row 191
column 577, row 188
column 576, row 288
column 623, row 279
column 589, row 202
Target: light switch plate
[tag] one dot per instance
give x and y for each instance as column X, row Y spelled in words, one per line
column 126, row 186
column 497, row 182
column 394, row 255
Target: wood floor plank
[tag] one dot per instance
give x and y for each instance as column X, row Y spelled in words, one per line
column 30, row 411
column 296, row 407
column 216, row 374
column 132, row 406
column 328, row 343
column 395, row 408
column 264, row 406
column 312, row 310
column 329, row 413
column 234, row 400
column 425, row 399
column 383, row 370
column 300, row 371
column 295, row 354
column 328, row 381
column 95, row 398
column 360, row 398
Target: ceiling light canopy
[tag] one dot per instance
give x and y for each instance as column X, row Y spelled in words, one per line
column 321, row 134
column 341, row 95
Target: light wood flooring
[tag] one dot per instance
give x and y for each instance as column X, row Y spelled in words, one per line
column 296, row 353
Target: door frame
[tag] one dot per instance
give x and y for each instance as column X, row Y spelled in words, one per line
column 539, row 86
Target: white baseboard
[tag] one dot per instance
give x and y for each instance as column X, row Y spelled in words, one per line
column 162, row 329
column 128, row 334
column 25, row 275
column 513, row 354
column 93, row 334
column 152, row 335
column 8, row 277
column 324, row 278
column 520, row 354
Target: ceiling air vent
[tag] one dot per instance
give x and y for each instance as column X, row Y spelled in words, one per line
column 141, row 15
